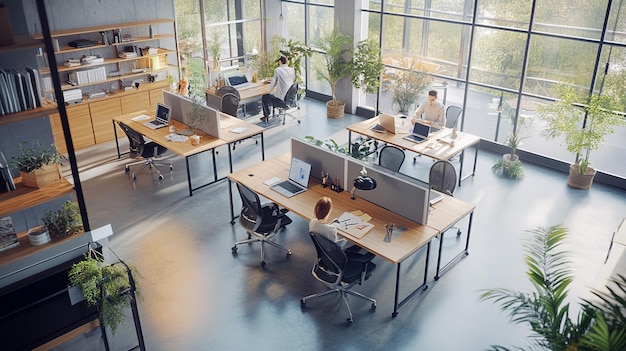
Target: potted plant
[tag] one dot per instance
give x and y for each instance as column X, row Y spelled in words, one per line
column 63, row 222
column 360, row 149
column 337, row 66
column 265, row 62
column 110, row 287
column 407, row 88
column 546, row 310
column 564, row 119
column 295, row 52
column 510, row 164
column 367, row 66
column 215, row 47
column 38, row 165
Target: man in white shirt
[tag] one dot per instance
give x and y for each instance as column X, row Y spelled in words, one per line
column 431, row 112
column 283, row 78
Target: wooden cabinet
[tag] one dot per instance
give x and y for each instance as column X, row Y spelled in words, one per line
column 80, row 124
column 102, row 113
column 135, row 102
column 156, row 96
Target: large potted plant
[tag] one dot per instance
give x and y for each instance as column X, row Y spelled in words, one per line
column 584, row 122
column 294, row 53
column 367, row 66
column 38, row 165
column 547, row 310
column 510, row 164
column 338, row 65
column 407, row 88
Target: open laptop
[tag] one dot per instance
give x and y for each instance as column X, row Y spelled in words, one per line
column 162, row 119
column 298, row 179
column 419, row 133
column 385, row 123
column 240, row 82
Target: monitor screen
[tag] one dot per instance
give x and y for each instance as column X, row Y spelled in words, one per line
column 236, row 80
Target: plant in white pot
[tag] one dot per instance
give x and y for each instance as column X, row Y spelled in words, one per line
column 510, row 164
column 584, row 122
column 38, row 165
column 338, row 65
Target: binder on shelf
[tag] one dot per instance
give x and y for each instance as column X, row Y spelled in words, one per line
column 8, row 236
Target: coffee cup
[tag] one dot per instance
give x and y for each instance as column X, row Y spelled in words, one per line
column 195, row 139
column 172, row 128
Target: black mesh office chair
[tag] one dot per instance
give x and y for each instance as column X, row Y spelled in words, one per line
column 340, row 270
column 261, row 221
column 227, row 89
column 391, row 157
column 139, row 148
column 442, row 178
column 230, row 104
column 290, row 102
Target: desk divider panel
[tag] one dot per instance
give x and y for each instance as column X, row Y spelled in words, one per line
column 396, row 192
column 182, row 107
column 214, row 101
column 320, row 159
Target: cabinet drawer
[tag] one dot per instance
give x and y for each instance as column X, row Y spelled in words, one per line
column 156, row 96
column 80, row 127
column 135, row 102
column 102, row 113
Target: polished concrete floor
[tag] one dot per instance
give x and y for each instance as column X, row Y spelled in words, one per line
column 197, row 296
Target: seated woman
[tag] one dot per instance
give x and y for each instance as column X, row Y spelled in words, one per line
column 320, row 224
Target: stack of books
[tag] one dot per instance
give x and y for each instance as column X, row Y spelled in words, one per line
column 8, row 237
column 126, row 54
column 72, row 95
column 19, row 90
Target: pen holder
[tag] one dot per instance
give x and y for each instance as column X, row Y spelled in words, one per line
column 336, row 188
column 389, row 232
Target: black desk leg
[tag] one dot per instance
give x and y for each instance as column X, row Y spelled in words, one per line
column 396, row 296
column 117, row 143
column 215, row 165
column 459, row 256
column 397, row 305
column 461, row 159
column 262, row 148
column 230, row 158
column 230, row 196
column 188, row 175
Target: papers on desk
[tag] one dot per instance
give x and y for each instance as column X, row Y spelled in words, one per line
column 353, row 224
column 238, row 130
column 141, row 118
column 176, row 137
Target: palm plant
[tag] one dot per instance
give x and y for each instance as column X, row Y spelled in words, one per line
column 337, row 56
column 546, row 311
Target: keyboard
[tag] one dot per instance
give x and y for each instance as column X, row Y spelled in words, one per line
column 289, row 186
column 245, row 86
column 414, row 138
column 378, row 128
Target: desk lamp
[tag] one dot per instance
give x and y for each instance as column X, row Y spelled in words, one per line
column 363, row 182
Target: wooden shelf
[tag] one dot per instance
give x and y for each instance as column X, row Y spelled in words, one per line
column 47, row 108
column 24, row 197
column 84, row 30
column 26, row 249
column 22, row 43
column 162, row 52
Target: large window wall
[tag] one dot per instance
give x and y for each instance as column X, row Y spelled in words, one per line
column 501, row 59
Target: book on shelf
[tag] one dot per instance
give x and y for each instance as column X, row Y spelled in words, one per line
column 8, row 236
column 19, row 90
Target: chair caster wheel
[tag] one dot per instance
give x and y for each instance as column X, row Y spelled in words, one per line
column 234, row 249
column 288, row 253
column 373, row 308
column 171, row 167
column 349, row 320
column 134, row 177
column 458, row 233
column 263, row 264
column 160, row 177
column 127, row 169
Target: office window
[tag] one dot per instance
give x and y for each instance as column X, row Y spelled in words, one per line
column 497, row 58
column 511, row 14
column 319, row 25
column 580, row 19
column 557, row 60
column 616, row 29
column 295, row 29
column 409, row 7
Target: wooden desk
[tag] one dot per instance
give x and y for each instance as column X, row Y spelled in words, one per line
column 443, row 151
column 185, row 149
column 404, row 243
column 246, row 95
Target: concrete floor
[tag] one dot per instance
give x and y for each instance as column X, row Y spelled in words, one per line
column 197, row 296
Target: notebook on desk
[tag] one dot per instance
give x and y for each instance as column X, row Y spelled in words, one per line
column 162, row 119
column 298, row 181
column 419, row 133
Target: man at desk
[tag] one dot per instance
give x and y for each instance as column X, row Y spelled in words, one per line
column 432, row 112
column 283, row 78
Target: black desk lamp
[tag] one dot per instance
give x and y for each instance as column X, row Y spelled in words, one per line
column 363, row 182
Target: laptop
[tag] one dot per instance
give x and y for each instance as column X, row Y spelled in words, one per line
column 385, row 123
column 434, row 197
column 419, row 133
column 298, row 179
column 240, row 82
column 162, row 119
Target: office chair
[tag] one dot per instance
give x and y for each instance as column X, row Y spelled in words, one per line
column 230, row 104
column 442, row 178
column 138, row 147
column 340, row 270
column 391, row 157
column 290, row 102
column 227, row 89
column 261, row 221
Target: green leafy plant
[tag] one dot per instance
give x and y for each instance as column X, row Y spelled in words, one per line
column 407, row 89
column 294, row 53
column 35, row 156
column 547, row 310
column 266, row 61
column 367, row 66
column 565, row 117
column 359, row 149
column 510, row 164
column 215, row 46
column 92, row 274
column 65, row 221
column 337, row 58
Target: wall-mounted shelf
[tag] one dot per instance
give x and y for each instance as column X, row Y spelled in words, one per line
column 23, row 197
column 47, row 108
